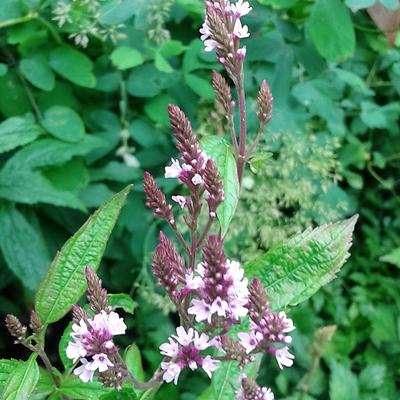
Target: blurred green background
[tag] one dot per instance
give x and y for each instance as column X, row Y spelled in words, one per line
column 83, row 92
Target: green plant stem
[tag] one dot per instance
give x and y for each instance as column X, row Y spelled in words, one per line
column 241, row 156
column 20, row 20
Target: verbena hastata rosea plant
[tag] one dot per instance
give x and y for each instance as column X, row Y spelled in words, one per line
column 227, row 316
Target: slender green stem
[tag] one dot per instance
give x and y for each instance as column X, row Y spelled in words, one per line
column 20, row 20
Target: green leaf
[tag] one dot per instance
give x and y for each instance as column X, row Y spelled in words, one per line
column 3, row 69
column 133, row 360
column 162, row 64
column 65, row 282
column 392, row 258
column 200, row 86
column 122, row 300
column 62, row 346
column 126, row 57
column 23, row 247
column 331, row 30
column 226, row 379
column 221, row 153
column 37, row 72
column 49, row 151
column 73, row 66
column 22, row 381
column 30, row 187
column 17, row 131
column 124, row 394
column 372, row 377
column 294, row 270
column 74, row 388
column 113, row 12
column 343, row 384
column 359, row 4
column 64, row 123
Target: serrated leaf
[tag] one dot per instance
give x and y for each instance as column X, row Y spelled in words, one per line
column 294, row 270
column 65, row 282
column 22, row 381
column 17, row 131
column 37, row 72
column 49, row 151
column 343, row 384
column 372, row 377
column 73, row 65
column 334, row 38
column 122, row 300
column 221, row 153
column 74, row 388
column 31, row 187
column 226, row 379
column 23, row 247
column 64, row 123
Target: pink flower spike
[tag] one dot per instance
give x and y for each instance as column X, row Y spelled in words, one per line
column 181, row 200
column 240, row 31
column 100, row 362
column 284, row 357
column 174, row 170
column 210, row 365
column 84, row 372
column 240, row 9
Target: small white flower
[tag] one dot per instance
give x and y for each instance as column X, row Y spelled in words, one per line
column 116, row 325
column 84, row 372
column 240, row 31
column 172, row 371
column 287, row 321
column 220, row 307
column 250, row 340
column 205, row 31
column 193, row 282
column 75, row 351
column 174, row 170
column 170, row 349
column 197, row 180
column 209, row 365
column 240, row 9
column 237, row 307
column 181, row 200
column 100, row 362
column 284, row 357
column 210, row 45
column 268, row 395
column 201, row 310
column 201, row 342
column 78, row 330
column 184, row 338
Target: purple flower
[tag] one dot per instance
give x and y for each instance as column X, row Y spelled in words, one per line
column 93, row 339
column 250, row 340
column 184, row 350
column 181, row 200
column 283, row 357
column 174, row 170
column 240, row 9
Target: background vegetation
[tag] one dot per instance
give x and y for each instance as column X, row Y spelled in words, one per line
column 83, row 92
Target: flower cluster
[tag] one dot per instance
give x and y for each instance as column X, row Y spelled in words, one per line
column 222, row 290
column 267, row 327
column 223, row 29
column 92, row 343
column 184, row 350
column 249, row 390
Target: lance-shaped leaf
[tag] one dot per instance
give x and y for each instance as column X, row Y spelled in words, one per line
column 65, row 282
column 221, row 153
column 22, row 381
column 294, row 270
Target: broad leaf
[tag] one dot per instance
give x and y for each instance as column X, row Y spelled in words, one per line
column 331, row 29
column 37, row 71
column 31, row 187
column 74, row 388
column 23, row 247
column 293, row 271
column 221, row 153
column 22, row 381
column 65, row 283
column 17, row 131
column 64, row 123
column 343, row 384
column 126, row 57
column 49, row 151
column 73, row 65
